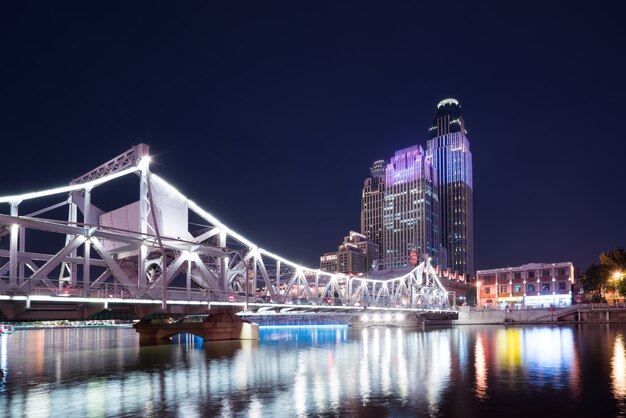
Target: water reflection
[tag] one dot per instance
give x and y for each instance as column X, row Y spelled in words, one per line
column 310, row 371
column 618, row 368
column 549, row 356
column 364, row 368
column 4, row 355
column 509, row 348
column 402, row 366
column 437, row 345
column 480, row 364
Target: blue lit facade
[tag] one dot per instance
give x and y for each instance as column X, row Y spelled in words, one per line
column 449, row 152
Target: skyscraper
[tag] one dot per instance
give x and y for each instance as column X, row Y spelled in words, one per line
column 449, row 151
column 372, row 201
column 400, row 208
column 411, row 210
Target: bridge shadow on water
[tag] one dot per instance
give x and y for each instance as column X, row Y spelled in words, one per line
column 160, row 355
column 214, row 349
column 311, row 334
column 183, row 351
column 227, row 349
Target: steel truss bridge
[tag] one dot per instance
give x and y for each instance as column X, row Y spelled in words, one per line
column 162, row 253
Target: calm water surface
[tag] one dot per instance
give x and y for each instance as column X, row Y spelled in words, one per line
column 486, row 371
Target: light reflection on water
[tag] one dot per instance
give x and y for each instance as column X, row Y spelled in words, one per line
column 480, row 365
column 618, row 372
column 327, row 371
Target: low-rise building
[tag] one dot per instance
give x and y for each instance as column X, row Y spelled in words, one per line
column 355, row 255
column 532, row 285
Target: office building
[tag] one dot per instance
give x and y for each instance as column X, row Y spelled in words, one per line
column 411, row 208
column 449, row 152
column 400, row 209
column 372, row 201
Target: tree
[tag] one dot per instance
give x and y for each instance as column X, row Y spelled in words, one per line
column 596, row 276
column 615, row 262
column 614, row 259
column 621, row 287
column 610, row 274
column 470, row 295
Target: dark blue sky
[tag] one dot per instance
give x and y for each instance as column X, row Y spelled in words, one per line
column 269, row 115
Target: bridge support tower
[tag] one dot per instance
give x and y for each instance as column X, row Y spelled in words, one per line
column 221, row 324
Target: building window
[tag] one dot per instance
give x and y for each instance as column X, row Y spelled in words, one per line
column 487, row 278
column 531, row 287
column 518, row 275
column 503, row 276
column 503, row 289
column 545, row 273
column 545, row 287
column 487, row 290
column 531, row 274
column 562, row 272
column 517, row 288
column 561, row 285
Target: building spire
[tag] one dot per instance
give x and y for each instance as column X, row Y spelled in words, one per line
column 447, row 119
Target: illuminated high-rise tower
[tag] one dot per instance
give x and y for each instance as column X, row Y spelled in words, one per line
column 372, row 201
column 400, row 209
column 411, row 210
column 449, row 151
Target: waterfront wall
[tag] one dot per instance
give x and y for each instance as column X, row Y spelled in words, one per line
column 467, row 316
column 582, row 313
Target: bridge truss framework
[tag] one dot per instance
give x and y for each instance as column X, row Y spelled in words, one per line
column 156, row 258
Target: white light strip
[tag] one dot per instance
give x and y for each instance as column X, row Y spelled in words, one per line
column 193, row 206
column 66, row 189
column 222, row 227
column 70, row 299
column 295, row 309
column 210, row 218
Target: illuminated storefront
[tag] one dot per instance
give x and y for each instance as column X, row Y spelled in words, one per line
column 534, row 285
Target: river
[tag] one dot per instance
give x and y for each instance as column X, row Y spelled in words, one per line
column 464, row 371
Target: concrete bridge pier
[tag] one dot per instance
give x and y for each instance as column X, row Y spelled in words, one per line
column 221, row 324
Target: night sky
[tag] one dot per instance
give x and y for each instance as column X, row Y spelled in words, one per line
column 269, row 114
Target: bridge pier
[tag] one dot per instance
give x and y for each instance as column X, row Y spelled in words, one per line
column 221, row 324
column 11, row 311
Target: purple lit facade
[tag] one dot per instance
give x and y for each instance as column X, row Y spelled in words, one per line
column 410, row 209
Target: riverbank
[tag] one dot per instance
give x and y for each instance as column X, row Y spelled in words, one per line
column 582, row 313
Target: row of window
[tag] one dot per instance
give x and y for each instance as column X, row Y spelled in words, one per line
column 531, row 274
column 517, row 288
